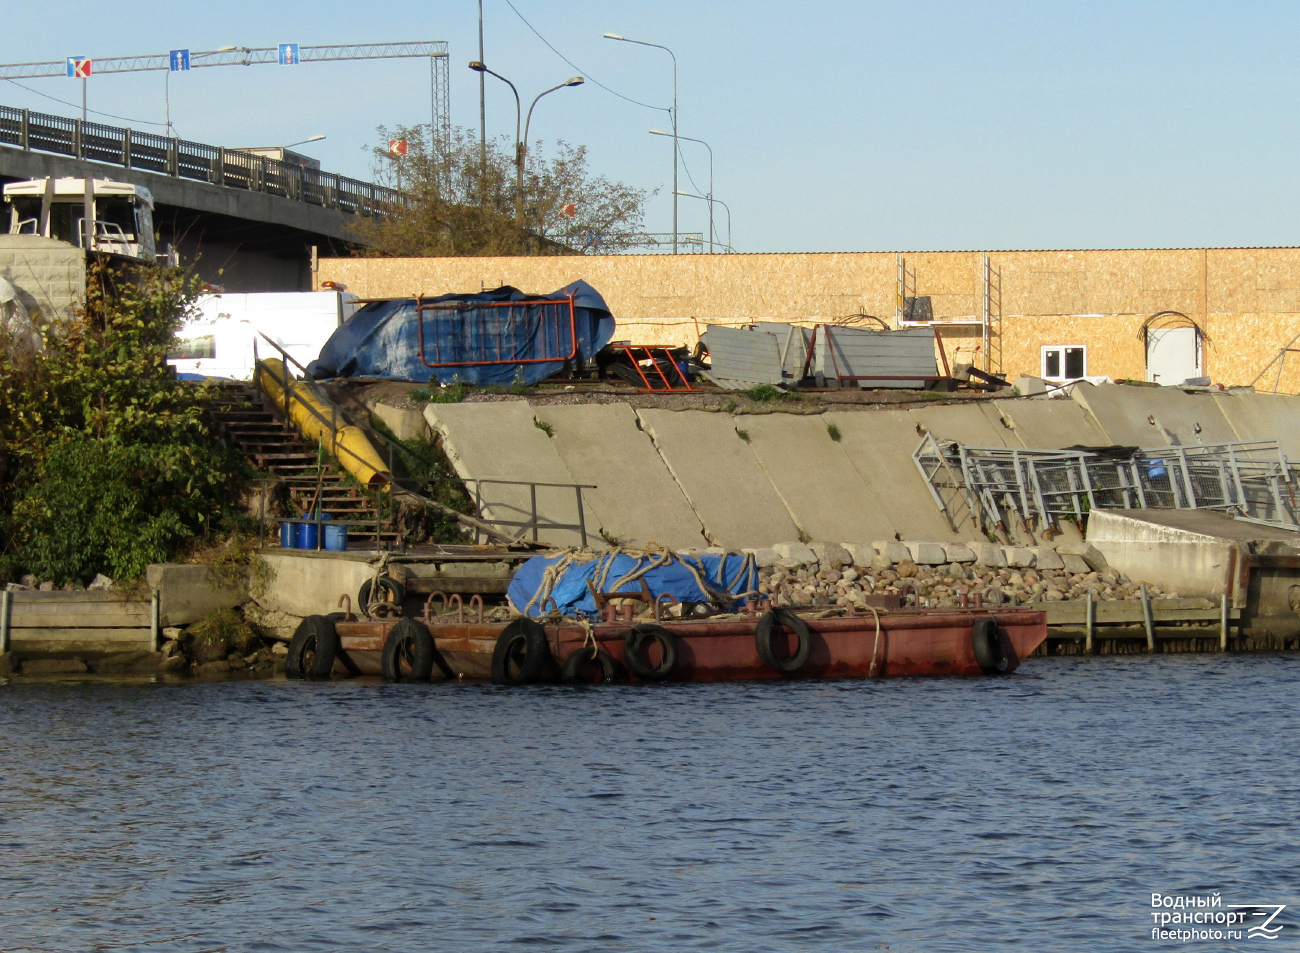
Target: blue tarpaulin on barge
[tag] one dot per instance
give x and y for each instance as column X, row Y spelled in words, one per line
column 732, row 573
column 496, row 337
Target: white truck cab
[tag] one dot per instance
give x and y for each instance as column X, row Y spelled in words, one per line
column 56, row 208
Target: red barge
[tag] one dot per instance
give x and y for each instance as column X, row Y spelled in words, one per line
column 759, row 643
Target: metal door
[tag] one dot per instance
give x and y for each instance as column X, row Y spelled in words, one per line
column 1173, row 355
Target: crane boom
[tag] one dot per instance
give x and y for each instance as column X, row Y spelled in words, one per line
column 436, row 50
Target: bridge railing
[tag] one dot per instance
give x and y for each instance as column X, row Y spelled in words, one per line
column 165, row 155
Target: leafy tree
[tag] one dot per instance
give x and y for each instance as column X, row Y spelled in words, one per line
column 107, row 462
column 460, row 204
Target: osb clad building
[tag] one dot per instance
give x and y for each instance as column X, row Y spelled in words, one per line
column 1162, row 314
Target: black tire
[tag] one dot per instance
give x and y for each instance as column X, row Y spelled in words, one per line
column 520, row 654
column 313, row 649
column 633, row 643
column 389, row 588
column 769, row 627
column 578, row 664
column 990, row 644
column 408, row 652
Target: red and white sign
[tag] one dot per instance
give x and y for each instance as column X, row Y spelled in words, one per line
column 79, row 67
column 569, row 211
column 398, row 147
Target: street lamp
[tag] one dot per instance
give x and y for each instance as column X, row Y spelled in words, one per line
column 303, row 142
column 660, row 132
column 615, row 36
column 710, row 199
column 523, row 148
column 521, row 145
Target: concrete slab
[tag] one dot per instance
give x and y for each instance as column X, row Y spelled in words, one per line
column 971, row 423
column 189, row 592
column 500, row 440
column 636, row 499
column 310, row 584
column 1264, row 417
column 1049, row 424
column 1123, row 413
column 880, row 444
column 721, row 478
column 819, row 484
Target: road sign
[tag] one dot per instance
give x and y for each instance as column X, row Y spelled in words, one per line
column 79, row 67
column 569, row 211
column 180, row 60
column 398, row 147
column 288, row 54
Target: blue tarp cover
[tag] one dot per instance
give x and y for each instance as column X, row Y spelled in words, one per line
column 573, row 597
column 383, row 338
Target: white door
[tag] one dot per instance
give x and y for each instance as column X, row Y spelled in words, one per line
column 1173, row 355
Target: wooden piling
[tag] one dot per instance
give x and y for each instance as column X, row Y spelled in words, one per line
column 1148, row 620
column 155, row 621
column 1223, row 623
column 1091, row 623
column 6, row 613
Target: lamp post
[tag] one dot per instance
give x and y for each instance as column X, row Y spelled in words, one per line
column 303, row 142
column 660, row 132
column 522, row 149
column 521, row 144
column 711, row 200
column 615, row 36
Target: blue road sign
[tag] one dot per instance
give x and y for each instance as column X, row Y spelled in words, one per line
column 288, row 54
column 180, row 60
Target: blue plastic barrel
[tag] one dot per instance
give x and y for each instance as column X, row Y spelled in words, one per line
column 288, row 535
column 336, row 537
column 307, row 534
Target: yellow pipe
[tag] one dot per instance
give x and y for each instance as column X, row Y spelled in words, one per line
column 347, row 444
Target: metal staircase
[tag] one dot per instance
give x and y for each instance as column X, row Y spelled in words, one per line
column 275, row 447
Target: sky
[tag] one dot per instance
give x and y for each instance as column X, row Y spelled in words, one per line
column 835, row 126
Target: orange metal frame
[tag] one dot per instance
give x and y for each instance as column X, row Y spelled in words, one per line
column 542, row 303
column 631, row 349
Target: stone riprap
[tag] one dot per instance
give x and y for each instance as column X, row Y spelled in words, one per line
column 792, row 574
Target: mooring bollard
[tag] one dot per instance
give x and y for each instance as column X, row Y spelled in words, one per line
column 1091, row 623
column 1223, row 623
column 6, row 611
column 1148, row 620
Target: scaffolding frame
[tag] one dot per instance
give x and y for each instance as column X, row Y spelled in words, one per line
column 991, row 314
column 1002, row 490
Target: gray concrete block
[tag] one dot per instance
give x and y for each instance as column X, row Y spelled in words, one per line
column 405, row 424
column 1019, row 557
column 795, row 552
column 862, row 553
column 764, row 558
column 1075, row 564
column 892, row 550
column 189, row 592
column 500, row 440
column 724, row 482
column 1027, row 386
column 959, row 553
column 831, row 555
column 988, row 554
column 927, row 554
column 1045, row 558
column 1086, row 551
column 823, row 491
column 635, row 497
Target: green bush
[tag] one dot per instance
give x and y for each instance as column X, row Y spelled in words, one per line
column 107, row 463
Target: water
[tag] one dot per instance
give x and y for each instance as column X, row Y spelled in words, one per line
column 1036, row 812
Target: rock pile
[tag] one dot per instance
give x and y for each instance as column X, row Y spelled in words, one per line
column 830, row 574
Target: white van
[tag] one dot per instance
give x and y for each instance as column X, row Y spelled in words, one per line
column 218, row 341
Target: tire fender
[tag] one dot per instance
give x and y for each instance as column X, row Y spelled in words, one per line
column 408, row 652
column 769, row 627
column 990, row 645
column 572, row 673
column 520, row 654
column 313, row 648
column 634, row 641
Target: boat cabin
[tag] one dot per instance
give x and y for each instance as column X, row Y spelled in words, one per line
column 56, row 208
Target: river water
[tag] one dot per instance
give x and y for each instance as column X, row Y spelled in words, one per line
column 1036, row 812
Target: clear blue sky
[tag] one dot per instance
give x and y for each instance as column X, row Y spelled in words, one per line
column 835, row 126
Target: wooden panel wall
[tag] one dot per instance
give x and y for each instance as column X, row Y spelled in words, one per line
column 1247, row 301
